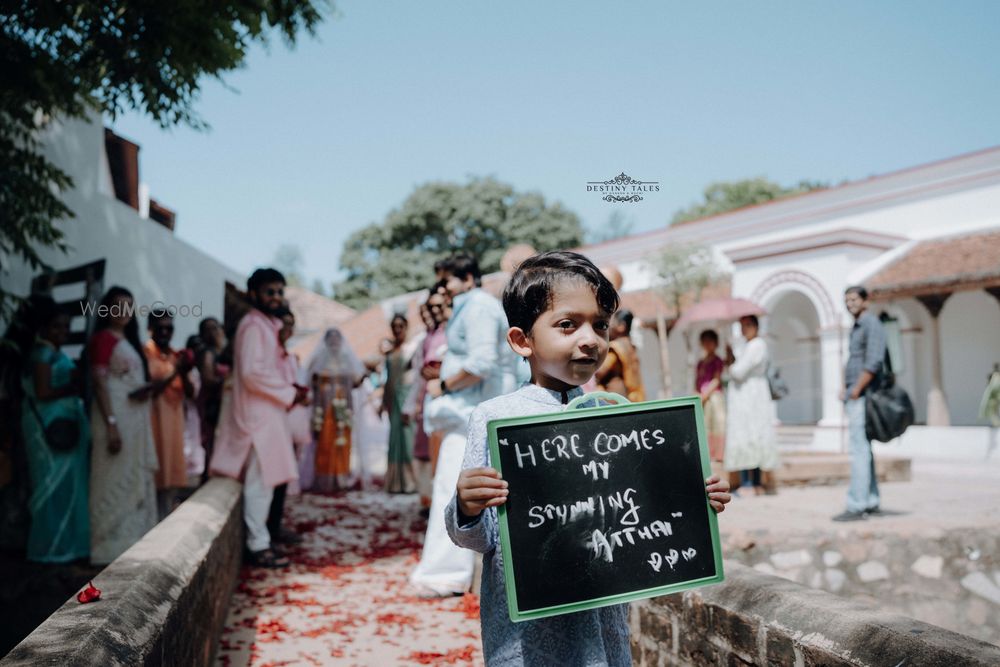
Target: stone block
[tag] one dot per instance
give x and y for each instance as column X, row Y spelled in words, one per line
column 928, row 566
column 854, row 551
column 832, row 558
column 872, row 570
column 738, row 630
column 654, row 624
column 736, row 661
column 980, row 584
column 766, row 568
column 813, row 656
column 785, row 560
column 780, row 649
column 698, row 650
column 835, row 579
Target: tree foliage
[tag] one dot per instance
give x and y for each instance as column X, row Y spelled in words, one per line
column 483, row 217
column 66, row 59
column 726, row 196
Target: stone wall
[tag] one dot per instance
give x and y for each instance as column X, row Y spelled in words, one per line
column 758, row 619
column 164, row 601
column 949, row 578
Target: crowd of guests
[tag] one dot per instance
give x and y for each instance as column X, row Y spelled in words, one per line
column 107, row 445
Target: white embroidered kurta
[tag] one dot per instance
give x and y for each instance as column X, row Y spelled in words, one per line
column 750, row 437
column 591, row 637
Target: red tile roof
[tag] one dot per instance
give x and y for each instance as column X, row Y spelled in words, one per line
column 968, row 262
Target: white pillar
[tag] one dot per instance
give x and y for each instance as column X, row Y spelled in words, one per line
column 937, row 402
column 833, row 356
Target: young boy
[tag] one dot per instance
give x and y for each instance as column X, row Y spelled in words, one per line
column 559, row 306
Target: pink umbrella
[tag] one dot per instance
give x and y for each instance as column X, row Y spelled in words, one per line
column 718, row 310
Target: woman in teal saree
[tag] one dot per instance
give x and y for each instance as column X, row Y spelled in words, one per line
column 58, row 467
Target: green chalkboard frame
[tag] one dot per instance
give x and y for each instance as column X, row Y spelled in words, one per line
column 518, row 615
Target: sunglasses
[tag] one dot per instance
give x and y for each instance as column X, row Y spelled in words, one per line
column 270, row 291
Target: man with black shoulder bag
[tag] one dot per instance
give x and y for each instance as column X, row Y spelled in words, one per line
column 867, row 351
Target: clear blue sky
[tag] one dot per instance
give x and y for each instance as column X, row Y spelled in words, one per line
column 318, row 141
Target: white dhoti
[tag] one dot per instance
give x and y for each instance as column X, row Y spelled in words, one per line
column 444, row 568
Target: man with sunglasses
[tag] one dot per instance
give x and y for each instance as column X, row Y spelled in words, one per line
column 254, row 439
column 169, row 372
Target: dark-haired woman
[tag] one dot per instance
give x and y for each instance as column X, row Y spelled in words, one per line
column 750, row 438
column 123, row 460
column 57, row 462
column 399, row 477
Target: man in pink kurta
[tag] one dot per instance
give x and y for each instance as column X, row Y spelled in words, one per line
column 253, row 433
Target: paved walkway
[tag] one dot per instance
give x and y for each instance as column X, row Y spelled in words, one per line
column 942, row 495
column 345, row 600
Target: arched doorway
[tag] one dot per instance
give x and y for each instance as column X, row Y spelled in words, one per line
column 793, row 336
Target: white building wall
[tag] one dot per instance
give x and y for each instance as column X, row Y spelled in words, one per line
column 141, row 255
column 951, row 197
column 970, row 336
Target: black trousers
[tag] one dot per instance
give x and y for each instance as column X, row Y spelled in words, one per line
column 277, row 510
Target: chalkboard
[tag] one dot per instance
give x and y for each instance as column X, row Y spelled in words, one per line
column 605, row 505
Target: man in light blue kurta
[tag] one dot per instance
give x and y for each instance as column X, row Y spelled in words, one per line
column 591, row 637
column 477, row 366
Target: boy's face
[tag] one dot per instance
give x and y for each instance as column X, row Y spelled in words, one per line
column 709, row 345
column 568, row 342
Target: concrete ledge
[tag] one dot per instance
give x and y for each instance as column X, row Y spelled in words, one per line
column 164, row 601
column 798, row 468
column 758, row 619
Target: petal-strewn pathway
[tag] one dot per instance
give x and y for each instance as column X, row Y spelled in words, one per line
column 345, row 599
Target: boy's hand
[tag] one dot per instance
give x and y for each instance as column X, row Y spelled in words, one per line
column 718, row 493
column 479, row 488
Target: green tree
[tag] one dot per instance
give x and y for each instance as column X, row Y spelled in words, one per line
column 683, row 271
column 483, row 217
column 64, row 59
column 726, row 196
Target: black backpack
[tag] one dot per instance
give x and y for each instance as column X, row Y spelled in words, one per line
column 888, row 408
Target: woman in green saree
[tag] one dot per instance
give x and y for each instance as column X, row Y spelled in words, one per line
column 57, row 461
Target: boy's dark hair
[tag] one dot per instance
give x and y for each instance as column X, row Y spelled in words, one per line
column 625, row 316
column 440, row 265
column 709, row 334
column 530, row 290
column 283, row 311
column 264, row 276
column 463, row 266
column 860, row 290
